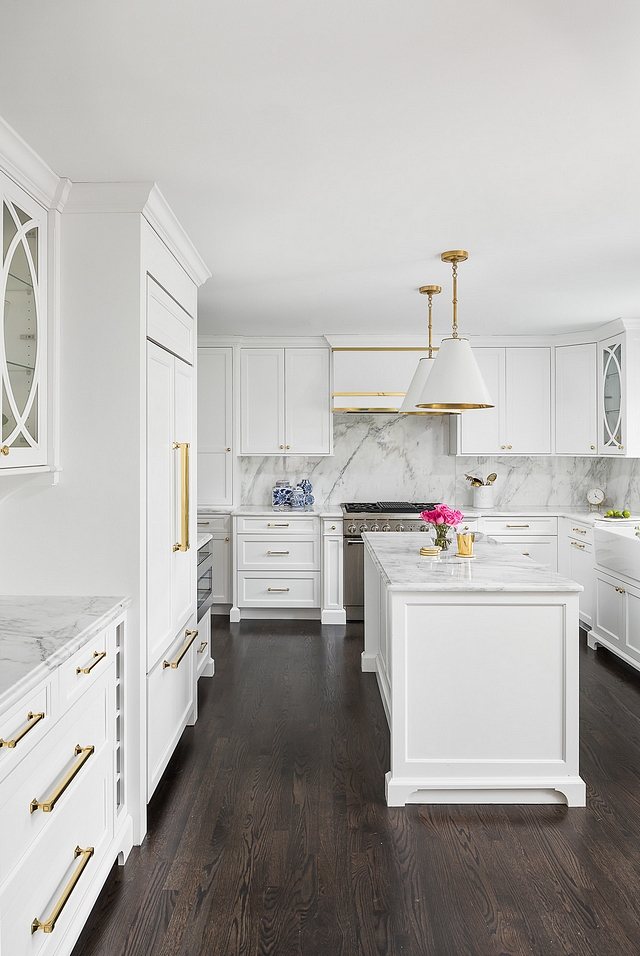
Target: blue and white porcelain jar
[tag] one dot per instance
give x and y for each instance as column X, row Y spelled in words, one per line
column 306, row 486
column 281, row 495
column 297, row 497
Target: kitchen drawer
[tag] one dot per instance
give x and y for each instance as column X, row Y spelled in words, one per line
column 279, row 523
column 467, row 525
column 519, row 524
column 16, row 719
column 260, row 552
column 261, row 589
column 87, row 665
column 332, row 526
column 170, row 698
column 36, row 885
column 87, row 724
column 579, row 531
column 221, row 523
column 538, row 547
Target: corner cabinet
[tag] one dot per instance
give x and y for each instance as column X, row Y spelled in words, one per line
column 285, row 401
column 619, row 394
column 576, row 399
column 23, row 343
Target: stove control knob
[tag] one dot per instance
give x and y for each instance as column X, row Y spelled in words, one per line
column 424, row 527
column 399, row 527
column 386, row 527
column 363, row 527
column 374, row 527
column 411, row 527
column 351, row 529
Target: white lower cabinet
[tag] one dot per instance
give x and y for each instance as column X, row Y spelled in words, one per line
column 204, row 661
column 279, row 589
column 540, row 548
column 535, row 536
column 333, row 610
column 219, row 527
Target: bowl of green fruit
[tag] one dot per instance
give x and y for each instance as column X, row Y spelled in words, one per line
column 614, row 515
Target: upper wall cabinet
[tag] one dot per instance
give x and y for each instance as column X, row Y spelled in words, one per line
column 215, row 426
column 23, row 342
column 619, row 398
column 519, row 382
column 285, row 404
column 576, row 399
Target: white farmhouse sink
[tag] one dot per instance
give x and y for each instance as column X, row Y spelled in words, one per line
column 618, row 549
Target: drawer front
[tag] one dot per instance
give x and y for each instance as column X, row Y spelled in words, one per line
column 55, row 761
column 34, row 888
column 332, row 526
column 16, row 720
column 260, row 589
column 259, row 552
column 580, row 532
column 221, row 523
column 538, row 547
column 279, row 523
column 525, row 524
column 170, row 697
column 86, row 667
column 467, row 525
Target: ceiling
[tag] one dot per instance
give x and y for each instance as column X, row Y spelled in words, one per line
column 322, row 153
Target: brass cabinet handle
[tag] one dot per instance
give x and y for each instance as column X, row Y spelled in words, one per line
column 517, row 526
column 226, row 539
column 98, row 655
column 509, row 447
column 621, row 590
column 333, row 527
column 183, row 544
column 202, row 647
column 228, row 449
column 278, row 525
column 204, row 522
column 32, row 720
column 288, row 446
column 278, row 589
column 503, row 447
column 577, row 544
column 5, row 449
column 277, row 552
column 593, row 448
column 526, row 554
column 281, row 446
column 49, row 925
column 621, row 447
column 47, row 805
column 185, row 647
column 579, row 530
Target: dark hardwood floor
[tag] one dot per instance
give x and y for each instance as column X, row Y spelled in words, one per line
column 269, row 834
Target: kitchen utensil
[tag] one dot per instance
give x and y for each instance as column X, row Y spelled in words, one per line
column 491, row 478
column 476, row 482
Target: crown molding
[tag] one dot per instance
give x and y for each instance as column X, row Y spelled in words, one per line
column 25, row 167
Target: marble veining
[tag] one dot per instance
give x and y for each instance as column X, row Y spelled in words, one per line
column 495, row 567
column 39, row 633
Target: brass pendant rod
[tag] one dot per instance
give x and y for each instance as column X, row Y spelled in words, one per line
column 454, row 270
column 430, row 291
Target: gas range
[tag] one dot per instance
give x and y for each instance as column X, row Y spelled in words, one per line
column 383, row 516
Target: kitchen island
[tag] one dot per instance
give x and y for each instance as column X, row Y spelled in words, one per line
column 477, row 665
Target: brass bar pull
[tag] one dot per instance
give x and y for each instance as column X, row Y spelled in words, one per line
column 49, row 925
column 278, row 525
column 47, row 805
column 278, row 589
column 517, row 526
column 577, row 544
column 277, row 552
column 526, row 554
column 208, row 522
column 579, row 530
column 185, row 647
column 183, row 544
column 98, row 655
column 32, row 720
column 202, row 647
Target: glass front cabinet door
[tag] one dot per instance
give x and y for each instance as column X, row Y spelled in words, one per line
column 23, row 349
column 612, row 418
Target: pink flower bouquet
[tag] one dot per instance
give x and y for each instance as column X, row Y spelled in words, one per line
column 442, row 518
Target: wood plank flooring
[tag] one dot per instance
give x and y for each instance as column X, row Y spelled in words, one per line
column 269, row 834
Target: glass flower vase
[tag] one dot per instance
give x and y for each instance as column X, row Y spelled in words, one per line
column 441, row 540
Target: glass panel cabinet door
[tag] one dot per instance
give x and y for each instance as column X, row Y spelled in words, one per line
column 612, row 427
column 22, row 340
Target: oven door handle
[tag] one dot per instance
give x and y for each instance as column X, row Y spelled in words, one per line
column 355, row 541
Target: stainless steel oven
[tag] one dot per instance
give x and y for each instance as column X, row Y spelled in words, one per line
column 383, row 516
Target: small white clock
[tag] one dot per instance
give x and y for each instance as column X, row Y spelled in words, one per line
column 595, row 497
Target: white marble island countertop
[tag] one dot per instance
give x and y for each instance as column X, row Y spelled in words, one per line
column 39, row 633
column 495, row 567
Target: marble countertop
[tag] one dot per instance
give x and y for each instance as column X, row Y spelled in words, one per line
column 203, row 537
column 496, row 568
column 267, row 510
column 39, row 633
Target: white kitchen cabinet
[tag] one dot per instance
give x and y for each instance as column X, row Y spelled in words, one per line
column 219, row 527
column 535, row 536
column 285, row 401
column 576, row 399
column 576, row 561
column 215, row 426
column 519, row 382
column 540, row 548
column 23, row 335
column 333, row 610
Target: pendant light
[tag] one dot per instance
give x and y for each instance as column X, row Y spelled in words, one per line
column 425, row 365
column 455, row 381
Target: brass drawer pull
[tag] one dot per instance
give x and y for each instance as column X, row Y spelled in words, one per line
column 526, row 554
column 204, row 522
column 49, row 925
column 579, row 530
column 202, row 647
column 517, row 526
column 98, row 655
column 183, row 544
column 185, row 647
column 277, row 552
column 32, row 720
column 577, row 544
column 278, row 589
column 621, row 590
column 47, row 805
column 278, row 525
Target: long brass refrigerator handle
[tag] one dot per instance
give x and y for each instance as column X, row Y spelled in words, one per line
column 183, row 544
column 32, row 720
column 185, row 647
column 49, row 925
column 47, row 805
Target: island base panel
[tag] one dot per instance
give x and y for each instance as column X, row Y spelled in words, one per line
column 399, row 792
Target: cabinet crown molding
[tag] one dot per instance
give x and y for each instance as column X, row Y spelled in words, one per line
column 147, row 200
column 22, row 164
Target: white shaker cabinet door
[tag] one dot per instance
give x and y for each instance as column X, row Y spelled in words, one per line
column 262, row 401
column 308, row 402
column 215, row 425
column 482, row 428
column 183, row 579
column 576, row 399
column 528, row 401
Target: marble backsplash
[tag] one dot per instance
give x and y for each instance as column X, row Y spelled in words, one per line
column 401, row 457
